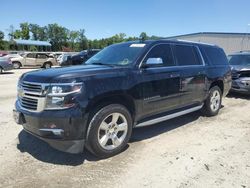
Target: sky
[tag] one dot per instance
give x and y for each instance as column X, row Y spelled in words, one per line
column 104, row 18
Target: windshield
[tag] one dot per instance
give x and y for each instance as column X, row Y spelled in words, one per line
column 118, row 54
column 239, row 59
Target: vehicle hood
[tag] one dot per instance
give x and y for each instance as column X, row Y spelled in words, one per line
column 240, row 68
column 70, row 74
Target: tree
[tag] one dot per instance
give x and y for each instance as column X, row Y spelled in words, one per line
column 82, row 40
column 11, row 31
column 25, row 31
column 73, row 35
column 17, row 34
column 58, row 36
column 143, row 36
column 1, row 40
column 34, row 29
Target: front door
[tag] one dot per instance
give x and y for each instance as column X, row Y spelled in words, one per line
column 161, row 81
column 30, row 59
column 40, row 59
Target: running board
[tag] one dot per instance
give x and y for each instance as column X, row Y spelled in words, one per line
column 170, row 116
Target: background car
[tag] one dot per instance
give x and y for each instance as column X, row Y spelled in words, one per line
column 13, row 56
column 240, row 66
column 82, row 57
column 2, row 53
column 64, row 60
column 34, row 59
column 5, row 64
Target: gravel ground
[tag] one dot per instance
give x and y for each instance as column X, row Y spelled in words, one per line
column 189, row 151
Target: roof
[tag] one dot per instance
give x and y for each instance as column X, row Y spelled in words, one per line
column 209, row 33
column 32, row 42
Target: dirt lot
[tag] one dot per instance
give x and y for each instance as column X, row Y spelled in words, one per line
column 191, row 151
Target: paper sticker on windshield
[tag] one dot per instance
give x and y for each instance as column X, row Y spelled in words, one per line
column 137, row 45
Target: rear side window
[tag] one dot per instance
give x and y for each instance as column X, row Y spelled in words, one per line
column 164, row 52
column 41, row 56
column 186, row 55
column 31, row 55
column 215, row 56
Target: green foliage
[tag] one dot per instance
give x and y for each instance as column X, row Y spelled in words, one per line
column 62, row 38
column 25, row 31
column 82, row 40
column 32, row 49
column 1, row 40
column 17, row 34
column 143, row 36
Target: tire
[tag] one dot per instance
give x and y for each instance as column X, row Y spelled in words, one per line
column 16, row 65
column 47, row 65
column 212, row 104
column 109, row 131
column 1, row 70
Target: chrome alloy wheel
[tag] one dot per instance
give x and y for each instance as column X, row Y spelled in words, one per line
column 112, row 131
column 215, row 101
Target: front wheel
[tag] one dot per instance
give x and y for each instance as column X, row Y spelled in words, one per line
column 109, row 131
column 16, row 65
column 212, row 104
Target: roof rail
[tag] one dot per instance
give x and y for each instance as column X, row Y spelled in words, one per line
column 181, row 40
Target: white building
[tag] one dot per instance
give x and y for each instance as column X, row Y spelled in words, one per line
column 230, row 42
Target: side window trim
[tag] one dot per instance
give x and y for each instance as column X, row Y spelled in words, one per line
column 170, row 45
column 199, row 53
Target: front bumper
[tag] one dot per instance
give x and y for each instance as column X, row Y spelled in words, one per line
column 241, row 86
column 64, row 130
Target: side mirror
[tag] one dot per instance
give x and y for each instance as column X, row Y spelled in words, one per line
column 154, row 61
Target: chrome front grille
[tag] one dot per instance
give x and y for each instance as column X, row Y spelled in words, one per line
column 29, row 103
column 30, row 96
column 32, row 87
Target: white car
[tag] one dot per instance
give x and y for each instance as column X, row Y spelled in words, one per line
column 34, row 59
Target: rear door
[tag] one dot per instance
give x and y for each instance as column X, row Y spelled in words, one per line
column 30, row 59
column 161, row 82
column 192, row 72
column 40, row 59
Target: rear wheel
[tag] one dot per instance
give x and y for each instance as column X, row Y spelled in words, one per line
column 212, row 104
column 16, row 65
column 109, row 131
column 47, row 65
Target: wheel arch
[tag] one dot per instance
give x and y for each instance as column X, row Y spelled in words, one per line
column 218, row 83
column 112, row 98
column 18, row 62
column 46, row 63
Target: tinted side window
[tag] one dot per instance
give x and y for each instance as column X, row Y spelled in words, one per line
column 164, row 52
column 41, row 56
column 186, row 55
column 216, row 56
column 30, row 55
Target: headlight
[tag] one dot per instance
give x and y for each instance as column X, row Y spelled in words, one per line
column 62, row 96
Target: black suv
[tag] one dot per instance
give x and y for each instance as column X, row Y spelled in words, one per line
column 81, row 57
column 240, row 65
column 125, row 85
